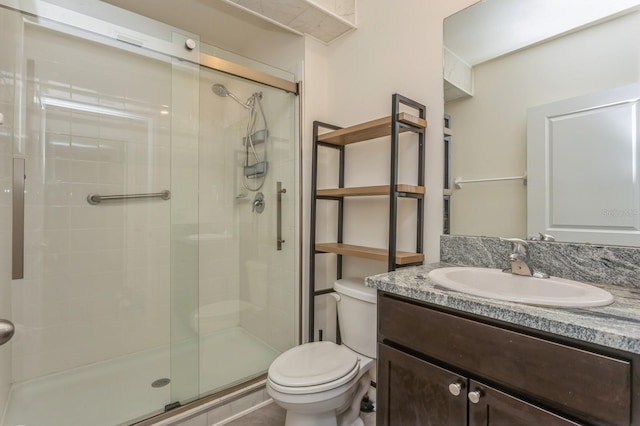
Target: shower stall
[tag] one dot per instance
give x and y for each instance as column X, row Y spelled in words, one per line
column 148, row 225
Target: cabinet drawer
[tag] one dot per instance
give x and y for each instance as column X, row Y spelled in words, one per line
column 590, row 386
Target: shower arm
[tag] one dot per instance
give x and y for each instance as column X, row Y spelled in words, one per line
column 238, row 100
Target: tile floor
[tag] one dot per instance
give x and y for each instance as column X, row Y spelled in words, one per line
column 273, row 415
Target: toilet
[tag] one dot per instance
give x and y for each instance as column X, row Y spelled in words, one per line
column 322, row 383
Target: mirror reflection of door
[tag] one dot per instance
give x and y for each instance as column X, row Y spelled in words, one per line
column 582, row 158
column 504, row 80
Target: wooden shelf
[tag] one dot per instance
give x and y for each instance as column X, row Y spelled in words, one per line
column 370, row 130
column 402, row 257
column 368, row 190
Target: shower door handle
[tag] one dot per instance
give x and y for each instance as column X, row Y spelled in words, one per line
column 17, row 254
column 7, row 330
column 280, row 190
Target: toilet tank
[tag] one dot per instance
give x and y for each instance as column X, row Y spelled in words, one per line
column 357, row 315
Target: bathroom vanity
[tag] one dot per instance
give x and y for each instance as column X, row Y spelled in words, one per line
column 448, row 358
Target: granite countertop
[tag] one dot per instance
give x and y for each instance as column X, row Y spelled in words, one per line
column 616, row 326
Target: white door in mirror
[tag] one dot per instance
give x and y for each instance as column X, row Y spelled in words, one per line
column 582, row 156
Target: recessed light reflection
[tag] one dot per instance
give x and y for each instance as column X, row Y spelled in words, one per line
column 164, row 112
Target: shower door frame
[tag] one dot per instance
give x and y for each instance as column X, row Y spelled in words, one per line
column 116, row 32
column 119, row 37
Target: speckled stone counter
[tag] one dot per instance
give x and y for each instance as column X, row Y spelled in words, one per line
column 580, row 262
column 616, row 326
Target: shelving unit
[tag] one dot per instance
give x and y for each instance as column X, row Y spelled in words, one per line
column 339, row 138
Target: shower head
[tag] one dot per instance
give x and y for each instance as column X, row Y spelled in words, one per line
column 220, row 90
column 223, row 92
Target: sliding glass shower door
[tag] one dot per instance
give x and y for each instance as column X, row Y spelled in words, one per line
column 110, row 187
column 247, row 310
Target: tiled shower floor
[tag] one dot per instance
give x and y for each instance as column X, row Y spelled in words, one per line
column 119, row 390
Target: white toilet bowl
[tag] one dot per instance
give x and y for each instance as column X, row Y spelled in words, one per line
column 322, row 383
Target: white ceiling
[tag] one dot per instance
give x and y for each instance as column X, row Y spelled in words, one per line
column 492, row 28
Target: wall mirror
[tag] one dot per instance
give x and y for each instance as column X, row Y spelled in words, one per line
column 508, row 64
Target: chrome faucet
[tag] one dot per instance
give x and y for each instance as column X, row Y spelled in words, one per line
column 258, row 203
column 519, row 259
column 542, row 237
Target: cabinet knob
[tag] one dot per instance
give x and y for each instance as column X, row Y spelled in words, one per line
column 474, row 396
column 455, row 388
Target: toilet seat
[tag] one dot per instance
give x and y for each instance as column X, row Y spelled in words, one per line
column 313, row 367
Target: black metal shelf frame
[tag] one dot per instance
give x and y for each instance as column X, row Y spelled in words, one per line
column 446, row 220
column 396, row 126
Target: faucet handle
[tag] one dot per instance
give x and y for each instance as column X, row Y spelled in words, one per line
column 518, row 245
column 542, row 237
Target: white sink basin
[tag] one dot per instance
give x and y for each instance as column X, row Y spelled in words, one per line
column 495, row 284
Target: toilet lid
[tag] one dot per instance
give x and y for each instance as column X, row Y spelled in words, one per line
column 312, row 364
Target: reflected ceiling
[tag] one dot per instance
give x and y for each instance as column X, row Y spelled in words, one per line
column 493, row 28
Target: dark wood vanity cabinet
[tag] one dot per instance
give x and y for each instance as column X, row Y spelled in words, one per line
column 497, row 408
column 440, row 368
column 415, row 392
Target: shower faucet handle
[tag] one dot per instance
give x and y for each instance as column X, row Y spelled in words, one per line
column 258, row 203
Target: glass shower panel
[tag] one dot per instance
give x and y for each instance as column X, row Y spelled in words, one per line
column 93, row 311
column 9, row 23
column 184, row 229
column 247, row 286
column 129, row 306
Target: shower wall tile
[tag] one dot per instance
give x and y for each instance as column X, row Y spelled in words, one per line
column 237, row 245
column 97, row 277
column 218, row 243
column 268, row 280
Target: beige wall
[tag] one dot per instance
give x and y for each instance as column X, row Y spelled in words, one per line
column 397, row 48
column 314, row 107
column 490, row 129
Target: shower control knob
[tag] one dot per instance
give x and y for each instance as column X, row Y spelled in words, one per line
column 190, row 44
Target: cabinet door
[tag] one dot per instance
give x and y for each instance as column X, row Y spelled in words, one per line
column 495, row 408
column 414, row 392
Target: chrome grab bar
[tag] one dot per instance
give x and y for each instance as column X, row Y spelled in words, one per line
column 280, row 190
column 95, row 199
